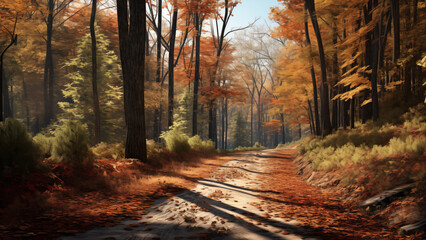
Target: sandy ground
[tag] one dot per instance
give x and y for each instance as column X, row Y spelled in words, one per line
column 224, row 206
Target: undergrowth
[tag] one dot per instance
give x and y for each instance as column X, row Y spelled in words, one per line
column 71, row 144
column 19, row 155
column 256, row 147
column 372, row 155
column 178, row 142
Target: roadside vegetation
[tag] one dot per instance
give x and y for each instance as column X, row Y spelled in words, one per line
column 359, row 163
column 377, row 156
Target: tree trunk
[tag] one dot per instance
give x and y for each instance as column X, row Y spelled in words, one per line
column 325, row 109
column 96, row 108
column 352, row 108
column 157, row 112
column 282, row 127
column 226, row 125
column 314, row 82
column 251, row 119
column 374, row 73
column 312, row 121
column 1, row 87
column 5, row 93
column 259, row 116
column 223, row 125
column 25, row 99
column 371, row 59
column 172, row 66
column 48, row 67
column 8, row 101
column 300, row 131
column 5, row 107
column 198, row 28
column 396, row 30
column 132, row 28
column 334, row 90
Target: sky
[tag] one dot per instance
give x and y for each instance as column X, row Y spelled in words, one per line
column 249, row 10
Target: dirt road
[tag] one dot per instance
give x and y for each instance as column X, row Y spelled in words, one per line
column 225, row 206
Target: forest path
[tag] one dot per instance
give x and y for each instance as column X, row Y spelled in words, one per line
column 225, row 206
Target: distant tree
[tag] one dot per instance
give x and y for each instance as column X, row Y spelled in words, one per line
column 240, row 134
column 183, row 112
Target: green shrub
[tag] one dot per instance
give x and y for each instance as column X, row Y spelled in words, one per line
column 106, row 150
column 18, row 152
column 409, row 145
column 329, row 158
column 44, row 143
column 176, row 141
column 198, row 144
column 71, row 144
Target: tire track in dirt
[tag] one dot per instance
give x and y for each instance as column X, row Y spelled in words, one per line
column 224, row 206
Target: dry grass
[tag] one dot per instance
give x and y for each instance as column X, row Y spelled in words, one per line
column 122, row 189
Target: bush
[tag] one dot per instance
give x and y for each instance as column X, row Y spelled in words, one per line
column 329, row 158
column 410, row 145
column 18, row 152
column 71, row 144
column 111, row 151
column 258, row 146
column 176, row 141
column 44, row 143
column 153, row 148
column 198, row 144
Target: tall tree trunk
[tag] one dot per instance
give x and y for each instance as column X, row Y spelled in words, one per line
column 4, row 91
column 219, row 49
column 198, row 28
column 226, row 125
column 25, row 98
column 300, row 131
column 132, row 28
column 172, row 65
column 157, row 112
column 1, row 87
column 259, row 119
column 96, row 108
column 11, row 97
column 352, row 108
column 325, row 109
column 374, row 73
column 223, row 125
column 282, row 128
column 48, row 67
column 314, row 81
column 366, row 109
column 8, row 101
column 311, row 118
column 334, row 90
column 371, row 59
column 396, row 30
column 251, row 118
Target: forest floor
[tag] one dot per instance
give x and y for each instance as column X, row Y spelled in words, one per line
column 255, row 195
